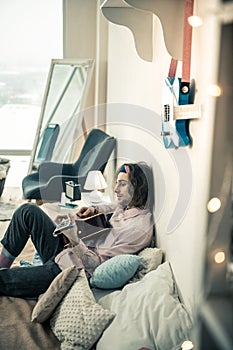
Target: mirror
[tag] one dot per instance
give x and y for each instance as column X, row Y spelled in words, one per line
column 65, row 95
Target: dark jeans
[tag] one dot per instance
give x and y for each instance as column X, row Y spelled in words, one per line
column 30, row 221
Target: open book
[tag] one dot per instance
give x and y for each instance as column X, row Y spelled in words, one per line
column 87, row 227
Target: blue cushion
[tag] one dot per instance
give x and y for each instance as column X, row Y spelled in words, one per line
column 115, row 272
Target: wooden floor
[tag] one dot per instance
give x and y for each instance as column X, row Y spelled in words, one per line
column 14, row 195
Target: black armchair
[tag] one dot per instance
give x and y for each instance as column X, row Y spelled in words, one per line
column 48, row 182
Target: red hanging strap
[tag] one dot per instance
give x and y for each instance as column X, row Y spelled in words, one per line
column 172, row 68
column 187, row 41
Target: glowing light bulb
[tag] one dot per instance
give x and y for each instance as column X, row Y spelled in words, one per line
column 214, row 90
column 195, row 21
column 214, row 205
column 219, row 257
column 187, row 345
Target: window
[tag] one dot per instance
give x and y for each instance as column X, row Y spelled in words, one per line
column 31, row 35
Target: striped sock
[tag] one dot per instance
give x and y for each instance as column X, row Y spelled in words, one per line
column 6, row 259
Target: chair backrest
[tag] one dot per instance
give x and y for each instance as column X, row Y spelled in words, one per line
column 48, row 142
column 95, row 152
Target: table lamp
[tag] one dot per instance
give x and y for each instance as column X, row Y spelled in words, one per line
column 95, row 181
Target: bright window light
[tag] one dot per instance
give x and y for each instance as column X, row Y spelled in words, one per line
column 31, row 34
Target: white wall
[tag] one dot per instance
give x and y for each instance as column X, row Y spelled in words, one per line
column 135, row 97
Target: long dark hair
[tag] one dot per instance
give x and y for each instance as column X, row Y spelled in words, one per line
column 141, row 178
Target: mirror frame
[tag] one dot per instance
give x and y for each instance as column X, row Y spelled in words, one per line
column 89, row 63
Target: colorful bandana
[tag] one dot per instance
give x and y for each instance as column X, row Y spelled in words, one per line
column 124, row 169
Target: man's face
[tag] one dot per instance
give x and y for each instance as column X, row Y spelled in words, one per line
column 123, row 189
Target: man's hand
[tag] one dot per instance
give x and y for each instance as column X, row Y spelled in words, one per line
column 60, row 218
column 70, row 233
column 85, row 212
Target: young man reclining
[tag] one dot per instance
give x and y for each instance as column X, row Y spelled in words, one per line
column 131, row 231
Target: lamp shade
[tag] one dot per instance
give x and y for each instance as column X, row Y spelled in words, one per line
column 95, row 181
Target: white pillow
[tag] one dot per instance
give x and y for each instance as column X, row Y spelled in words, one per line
column 148, row 314
column 79, row 321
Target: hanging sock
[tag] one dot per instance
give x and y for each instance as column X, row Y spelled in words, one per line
column 6, row 259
